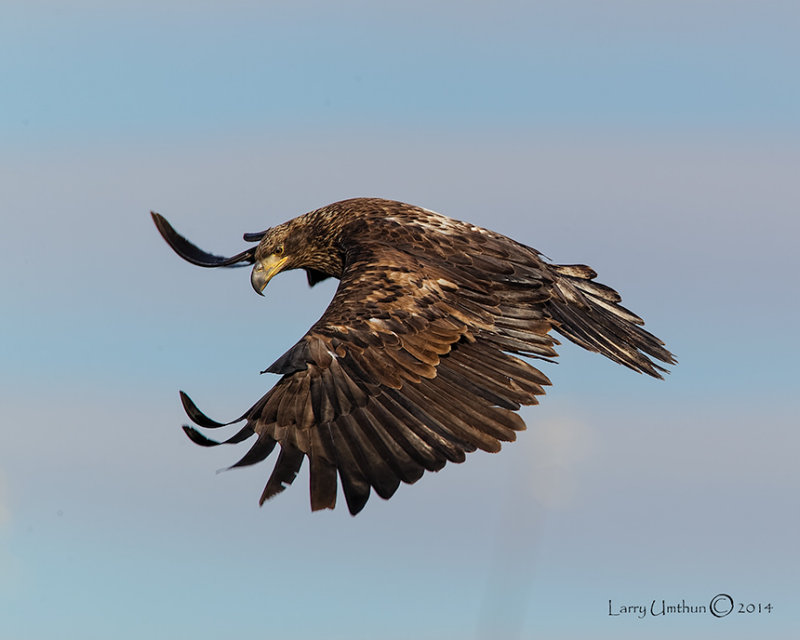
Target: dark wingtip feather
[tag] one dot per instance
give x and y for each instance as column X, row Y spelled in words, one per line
column 254, row 237
column 198, row 438
column 258, row 452
column 356, row 496
column 194, row 254
column 197, row 416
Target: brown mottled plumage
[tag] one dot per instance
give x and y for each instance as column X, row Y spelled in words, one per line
column 414, row 363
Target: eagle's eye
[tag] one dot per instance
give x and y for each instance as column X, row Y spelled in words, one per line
column 279, row 250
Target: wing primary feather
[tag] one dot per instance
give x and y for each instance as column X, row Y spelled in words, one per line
column 258, row 452
column 198, row 438
column 194, row 254
column 254, row 237
column 201, row 419
column 288, row 464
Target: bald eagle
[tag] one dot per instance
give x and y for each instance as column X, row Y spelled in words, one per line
column 416, row 361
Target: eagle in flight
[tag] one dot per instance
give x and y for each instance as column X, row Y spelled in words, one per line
column 416, row 361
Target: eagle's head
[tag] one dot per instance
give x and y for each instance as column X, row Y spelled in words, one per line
column 277, row 251
column 309, row 242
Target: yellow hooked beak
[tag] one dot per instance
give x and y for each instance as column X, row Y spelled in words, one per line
column 264, row 270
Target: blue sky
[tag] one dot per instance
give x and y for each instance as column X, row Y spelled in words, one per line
column 121, row 69
column 657, row 142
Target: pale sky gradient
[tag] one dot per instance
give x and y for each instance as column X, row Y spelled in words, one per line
column 657, row 142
